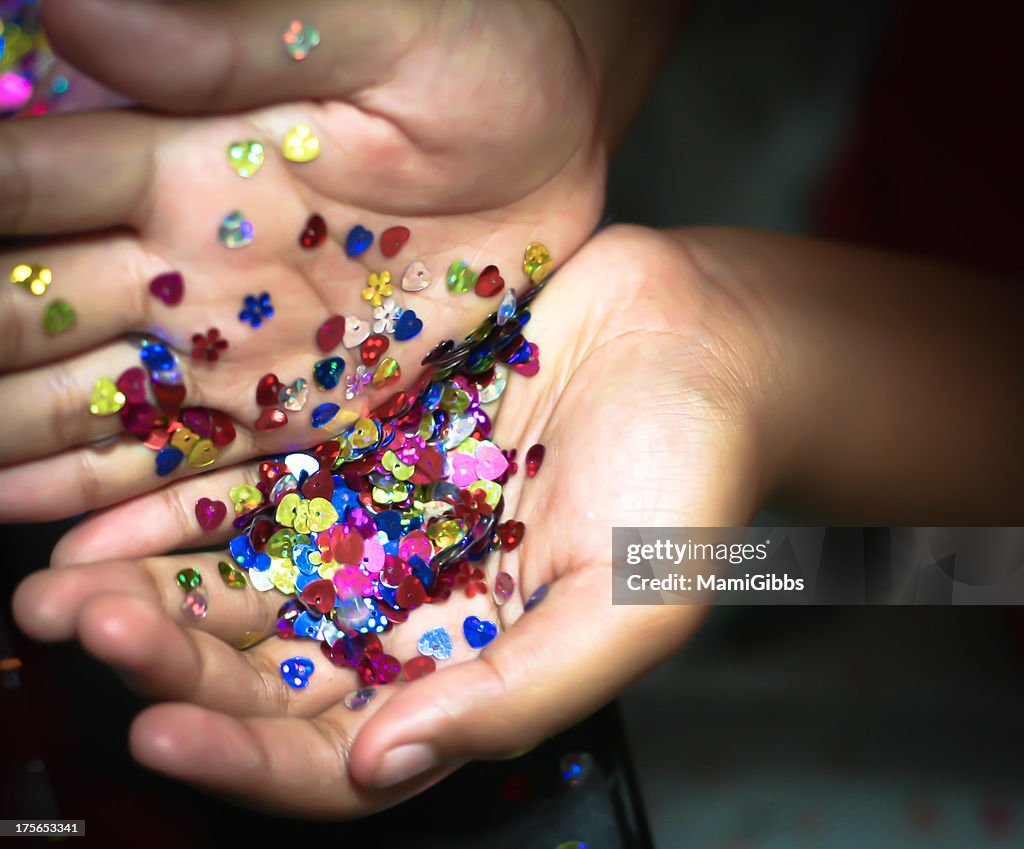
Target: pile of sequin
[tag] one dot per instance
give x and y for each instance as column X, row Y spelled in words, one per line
column 390, row 515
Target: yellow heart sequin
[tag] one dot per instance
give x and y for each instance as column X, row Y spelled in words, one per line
column 204, row 453
column 245, row 498
column 106, row 398
column 535, row 256
column 246, row 157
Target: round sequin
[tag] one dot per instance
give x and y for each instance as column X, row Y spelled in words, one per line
column 246, row 157
column 301, row 144
column 35, row 279
column 235, row 231
column 300, row 39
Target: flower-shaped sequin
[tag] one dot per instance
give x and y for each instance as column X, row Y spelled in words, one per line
column 378, row 287
column 386, row 316
column 256, row 308
column 356, row 383
column 208, row 346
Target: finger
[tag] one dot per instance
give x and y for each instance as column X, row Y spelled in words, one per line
column 236, row 51
column 165, row 520
column 294, row 766
column 94, row 476
column 48, row 603
column 52, row 404
column 558, row 663
column 72, row 173
column 102, row 279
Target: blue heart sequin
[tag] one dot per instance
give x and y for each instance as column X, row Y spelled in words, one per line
column 479, row 632
column 436, row 643
column 167, row 460
column 408, row 326
column 323, row 414
column 327, row 373
column 157, row 357
column 358, row 241
column 296, row 672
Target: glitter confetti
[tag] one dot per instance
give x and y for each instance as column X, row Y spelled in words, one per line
column 393, row 240
column 34, row 279
column 378, row 287
column 256, row 309
column 489, row 283
column 296, row 672
column 235, row 231
column 195, row 604
column 478, row 632
column 60, row 317
column 358, row 699
column 231, row 575
column 293, row 396
column 246, row 158
column 106, row 398
column 210, row 513
column 300, row 39
column 327, row 373
column 416, row 277
column 358, row 241
column 460, row 278
column 314, row 233
column 208, row 346
column 301, row 144
column 576, row 768
column 188, row 579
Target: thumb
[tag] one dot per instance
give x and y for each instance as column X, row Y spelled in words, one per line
column 200, row 57
column 557, row 664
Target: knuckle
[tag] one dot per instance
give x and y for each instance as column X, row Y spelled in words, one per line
column 88, row 480
column 15, row 180
column 66, row 425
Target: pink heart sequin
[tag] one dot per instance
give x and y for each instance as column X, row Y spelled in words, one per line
column 210, row 513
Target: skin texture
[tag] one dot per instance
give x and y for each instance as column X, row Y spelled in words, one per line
column 677, row 456
column 412, row 116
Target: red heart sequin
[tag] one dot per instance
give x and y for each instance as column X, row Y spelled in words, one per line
column 531, row 366
column 210, row 514
column 271, row 420
column 410, row 594
column 222, row 429
column 429, row 466
column 392, row 240
column 490, row 282
column 133, row 384
column 271, row 470
column 198, row 420
column 373, row 347
column 314, row 233
column 320, row 485
column 348, row 548
column 169, row 398
column 330, row 333
column 267, row 390
column 261, row 531
column 319, row 596
column 419, row 667
column 168, row 287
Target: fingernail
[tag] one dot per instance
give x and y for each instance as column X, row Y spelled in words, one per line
column 404, row 763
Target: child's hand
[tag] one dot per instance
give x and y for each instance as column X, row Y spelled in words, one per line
column 475, row 126
column 642, row 405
